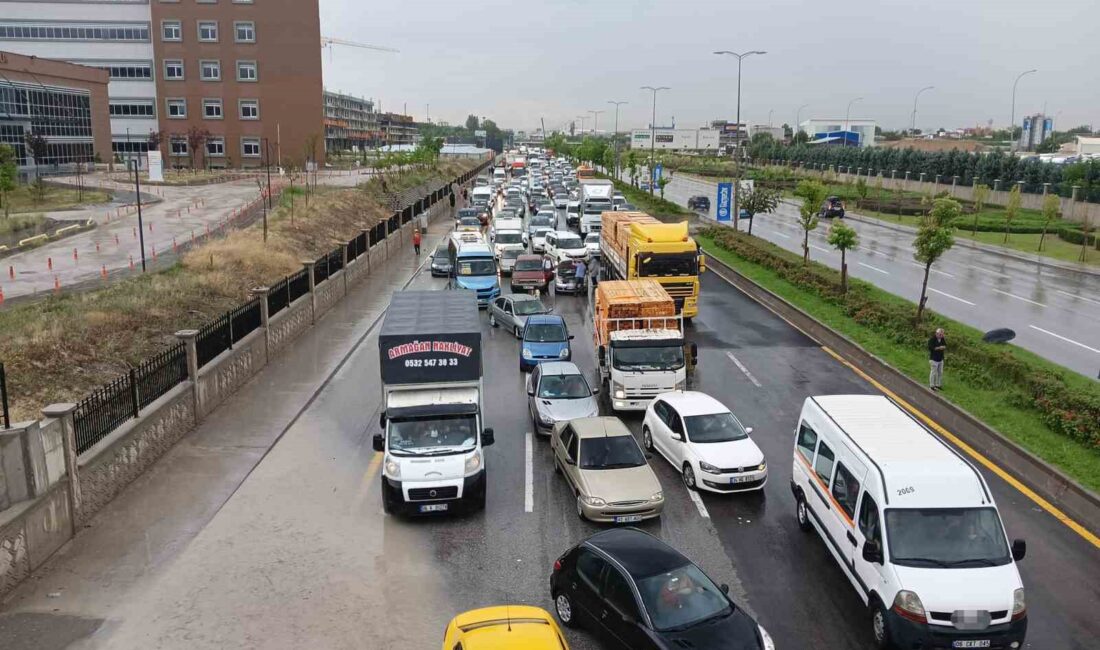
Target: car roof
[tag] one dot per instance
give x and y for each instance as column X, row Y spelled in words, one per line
column 546, row 319
column 507, row 626
column 641, row 554
column 605, row 426
column 558, row 368
column 530, row 256
column 521, row 297
column 565, row 233
column 693, row 402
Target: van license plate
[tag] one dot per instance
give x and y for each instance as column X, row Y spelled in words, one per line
column 978, row 643
column 626, row 519
column 440, row 507
column 741, row 479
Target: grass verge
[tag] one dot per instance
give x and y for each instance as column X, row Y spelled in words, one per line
column 25, row 199
column 995, row 406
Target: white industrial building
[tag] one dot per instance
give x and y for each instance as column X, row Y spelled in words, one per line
column 122, row 45
column 831, row 130
column 667, row 139
column 776, row 132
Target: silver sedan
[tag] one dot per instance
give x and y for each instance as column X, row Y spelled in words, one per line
column 511, row 312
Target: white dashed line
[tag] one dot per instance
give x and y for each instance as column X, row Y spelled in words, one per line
column 1012, row 295
column 978, row 268
column 921, row 267
column 1073, row 295
column 742, row 368
column 698, row 501
column 776, row 232
column 818, row 248
column 947, row 295
column 529, row 480
column 1059, row 336
column 874, row 268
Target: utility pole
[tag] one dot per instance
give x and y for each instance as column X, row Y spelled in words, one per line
column 737, row 183
column 1012, row 123
column 848, row 113
column 913, row 123
column 266, row 204
column 617, row 104
column 595, row 121
column 797, row 121
column 653, row 133
column 137, row 193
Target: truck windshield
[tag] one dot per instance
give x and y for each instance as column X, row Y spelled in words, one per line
column 668, row 265
column 597, row 207
column 477, row 267
column 666, row 357
column 953, row 538
column 616, row 452
column 438, row 434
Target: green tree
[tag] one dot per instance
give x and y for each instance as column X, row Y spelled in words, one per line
column 1012, row 208
column 843, row 238
column 934, row 238
column 813, row 194
column 981, row 195
column 759, row 200
column 632, row 166
column 664, row 180
column 861, row 191
column 800, row 137
column 38, row 148
column 8, row 172
column 472, row 123
column 1051, row 205
column 608, row 161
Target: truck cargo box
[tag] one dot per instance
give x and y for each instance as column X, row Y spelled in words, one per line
column 641, row 302
column 430, row 337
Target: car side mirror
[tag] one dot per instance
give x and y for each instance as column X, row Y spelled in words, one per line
column 676, row 436
column 382, row 420
column 601, row 352
column 531, row 392
column 596, row 389
column 379, row 442
column 571, row 337
column 694, row 354
column 570, row 461
column 487, row 437
column 748, row 429
column 724, row 587
column 1019, row 549
column 872, row 552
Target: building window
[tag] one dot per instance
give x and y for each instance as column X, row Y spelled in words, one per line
column 215, row 146
column 171, row 30
column 177, row 108
column 249, row 109
column 178, row 146
column 247, row 71
column 212, row 109
column 66, row 31
column 210, row 70
column 208, row 31
column 173, row 69
column 245, row 31
column 131, row 108
column 250, row 147
column 126, row 71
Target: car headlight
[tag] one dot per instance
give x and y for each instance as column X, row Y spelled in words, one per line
column 657, row 496
column 594, row 501
column 766, row 638
column 564, row 354
column 473, row 463
column 908, row 604
column 391, row 468
column 708, row 468
column 545, row 419
column 527, row 353
column 762, row 466
column 1019, row 605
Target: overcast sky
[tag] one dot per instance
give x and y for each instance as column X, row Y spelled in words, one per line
column 520, row 60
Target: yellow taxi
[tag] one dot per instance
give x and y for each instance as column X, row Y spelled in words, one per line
column 505, row 627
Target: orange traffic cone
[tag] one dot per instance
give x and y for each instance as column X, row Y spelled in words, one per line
column 75, row 256
column 56, row 285
column 49, row 263
column 103, row 272
column 131, row 262
column 1, row 295
column 11, row 272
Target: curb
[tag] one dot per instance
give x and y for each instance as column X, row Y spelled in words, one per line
column 1038, row 475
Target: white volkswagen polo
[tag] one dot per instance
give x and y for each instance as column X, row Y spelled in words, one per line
column 705, row 442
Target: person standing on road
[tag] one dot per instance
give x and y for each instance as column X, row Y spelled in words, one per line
column 416, row 241
column 581, row 269
column 937, row 345
column 452, row 196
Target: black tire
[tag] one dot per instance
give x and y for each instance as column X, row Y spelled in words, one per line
column 387, row 507
column 647, row 439
column 563, row 602
column 688, row 476
column 802, row 514
column 880, row 631
column 517, row 332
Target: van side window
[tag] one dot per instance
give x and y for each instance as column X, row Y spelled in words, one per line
column 868, row 520
column 845, row 490
column 807, row 440
column 824, row 464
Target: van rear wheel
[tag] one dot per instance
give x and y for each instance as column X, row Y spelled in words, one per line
column 802, row 510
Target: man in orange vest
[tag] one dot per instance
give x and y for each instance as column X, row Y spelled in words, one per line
column 416, row 241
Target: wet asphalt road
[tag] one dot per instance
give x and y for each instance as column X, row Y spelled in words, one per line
column 1053, row 311
column 301, row 555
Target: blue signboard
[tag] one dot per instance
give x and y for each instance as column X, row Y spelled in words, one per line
column 725, row 199
column 657, row 172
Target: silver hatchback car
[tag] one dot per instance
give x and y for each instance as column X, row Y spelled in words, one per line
column 556, row 392
column 510, row 311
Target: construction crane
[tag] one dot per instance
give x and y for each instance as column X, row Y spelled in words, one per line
column 328, row 42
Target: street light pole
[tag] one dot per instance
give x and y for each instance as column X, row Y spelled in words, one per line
column 1012, row 123
column 616, row 136
column 136, row 164
column 653, row 132
column 798, row 121
column 595, row 121
column 913, row 124
column 737, row 183
column 847, row 113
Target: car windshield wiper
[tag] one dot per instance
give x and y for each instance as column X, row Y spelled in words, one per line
column 929, row 560
column 984, row 561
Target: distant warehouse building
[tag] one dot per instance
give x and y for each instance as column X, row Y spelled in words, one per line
column 667, row 139
column 839, row 132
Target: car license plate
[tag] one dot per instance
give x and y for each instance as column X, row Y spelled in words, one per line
column 976, row 643
column 435, row 507
column 626, row 519
column 741, row 479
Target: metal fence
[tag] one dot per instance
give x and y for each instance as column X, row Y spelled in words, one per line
column 244, row 320
column 104, row 410
column 320, row 270
column 214, row 338
column 4, row 397
column 335, row 261
column 278, row 296
column 298, row 285
column 161, row 373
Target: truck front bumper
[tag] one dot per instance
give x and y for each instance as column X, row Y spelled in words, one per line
column 414, row 498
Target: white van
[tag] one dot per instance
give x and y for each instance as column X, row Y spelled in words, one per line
column 912, row 524
column 484, row 193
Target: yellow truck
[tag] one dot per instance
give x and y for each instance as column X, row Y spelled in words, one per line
column 634, row 245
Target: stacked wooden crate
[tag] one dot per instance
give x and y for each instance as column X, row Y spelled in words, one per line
column 641, row 302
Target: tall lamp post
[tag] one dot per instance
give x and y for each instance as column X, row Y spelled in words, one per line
column 847, row 114
column 653, row 132
column 267, row 205
column 136, row 164
column 595, row 121
column 798, row 121
column 616, row 136
column 913, row 122
column 1012, row 123
column 737, row 184
column 582, row 118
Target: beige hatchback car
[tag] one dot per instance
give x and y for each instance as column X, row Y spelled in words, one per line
column 607, row 470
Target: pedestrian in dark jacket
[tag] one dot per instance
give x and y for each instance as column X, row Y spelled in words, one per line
column 937, row 345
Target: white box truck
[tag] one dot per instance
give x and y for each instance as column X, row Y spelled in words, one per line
column 595, row 199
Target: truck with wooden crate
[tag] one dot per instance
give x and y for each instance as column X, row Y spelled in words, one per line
column 634, row 245
column 639, row 342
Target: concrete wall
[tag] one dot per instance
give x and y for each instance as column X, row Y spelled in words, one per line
column 31, row 532
column 284, row 327
column 230, row 370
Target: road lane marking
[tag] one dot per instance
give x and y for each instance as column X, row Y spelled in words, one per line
column 921, row 267
column 529, row 479
column 874, row 268
column 698, row 501
column 742, row 368
column 1073, row 295
column 975, row 454
column 1059, row 336
column 1012, row 295
column 950, row 296
column 978, row 268
column 823, row 250
column 776, row 232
